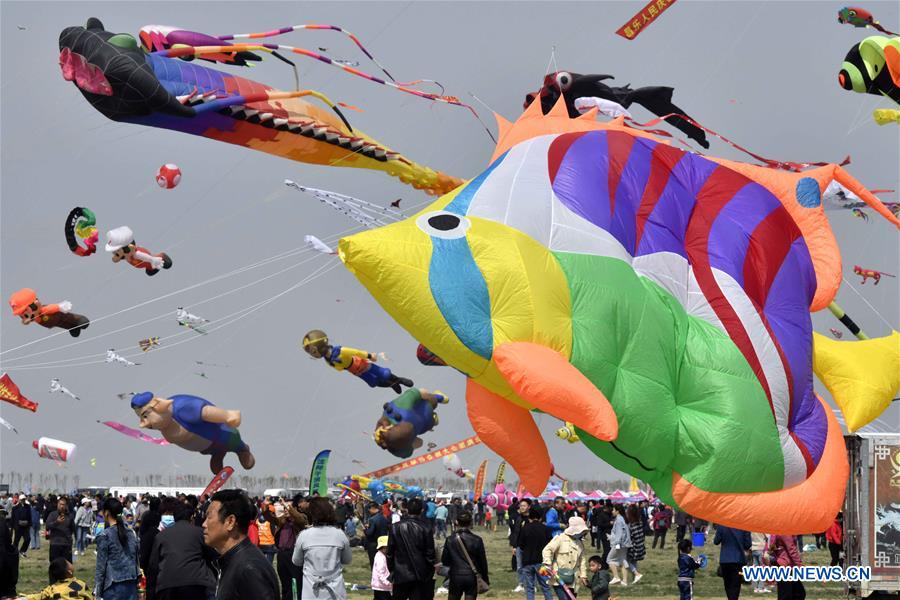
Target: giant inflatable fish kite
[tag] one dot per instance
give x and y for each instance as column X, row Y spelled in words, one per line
column 657, row 299
column 128, row 85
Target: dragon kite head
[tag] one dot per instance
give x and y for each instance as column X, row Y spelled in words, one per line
column 112, row 72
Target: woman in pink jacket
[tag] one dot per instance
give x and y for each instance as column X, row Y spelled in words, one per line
column 784, row 550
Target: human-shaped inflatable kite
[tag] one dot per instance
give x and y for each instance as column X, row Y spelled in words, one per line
column 194, row 424
column 120, row 241
column 405, row 418
column 26, row 305
column 358, row 362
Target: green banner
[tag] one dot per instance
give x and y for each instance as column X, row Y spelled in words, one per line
column 318, row 478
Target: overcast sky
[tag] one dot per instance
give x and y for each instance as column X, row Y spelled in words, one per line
column 762, row 74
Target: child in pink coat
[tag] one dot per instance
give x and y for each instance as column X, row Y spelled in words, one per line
column 381, row 583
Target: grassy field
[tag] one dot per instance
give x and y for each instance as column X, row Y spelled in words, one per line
column 658, row 569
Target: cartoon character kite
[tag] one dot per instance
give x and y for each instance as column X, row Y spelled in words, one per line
column 405, row 418
column 26, row 305
column 194, row 424
column 191, row 321
column 56, row 386
column 148, row 343
column 357, row 362
column 112, row 357
column 120, row 241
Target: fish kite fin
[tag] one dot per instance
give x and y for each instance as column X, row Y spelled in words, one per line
column 862, row 376
column 848, row 181
column 509, row 430
column 543, row 378
column 819, row 497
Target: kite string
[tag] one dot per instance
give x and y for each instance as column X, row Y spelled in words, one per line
column 207, row 281
column 311, row 26
column 199, row 303
column 772, row 164
column 203, row 50
column 69, row 345
column 293, row 28
column 551, row 61
column 314, row 275
column 237, row 271
column 279, row 256
column 223, row 322
column 869, row 304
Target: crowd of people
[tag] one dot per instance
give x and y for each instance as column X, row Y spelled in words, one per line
column 235, row 547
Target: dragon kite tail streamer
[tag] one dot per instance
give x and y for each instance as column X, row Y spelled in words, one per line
column 129, row 86
column 598, row 274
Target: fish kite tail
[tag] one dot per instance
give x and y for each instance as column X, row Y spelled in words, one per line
column 821, row 495
column 862, row 376
column 849, row 182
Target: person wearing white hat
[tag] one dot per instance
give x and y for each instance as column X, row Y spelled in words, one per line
column 564, row 556
column 84, row 521
column 120, row 241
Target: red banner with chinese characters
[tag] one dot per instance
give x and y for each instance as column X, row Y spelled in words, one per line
column 425, row 458
column 641, row 20
column 10, row 393
column 479, row 480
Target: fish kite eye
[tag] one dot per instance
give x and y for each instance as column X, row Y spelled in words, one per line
column 444, row 225
column 563, row 81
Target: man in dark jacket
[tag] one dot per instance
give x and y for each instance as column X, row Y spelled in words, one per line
column 21, row 519
column 459, row 549
column 376, row 526
column 530, row 542
column 411, row 556
column 150, row 521
column 61, row 527
column 518, row 517
column 244, row 573
column 453, row 513
column 602, row 519
column 179, row 566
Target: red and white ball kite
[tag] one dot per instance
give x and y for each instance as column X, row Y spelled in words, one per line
column 168, row 176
